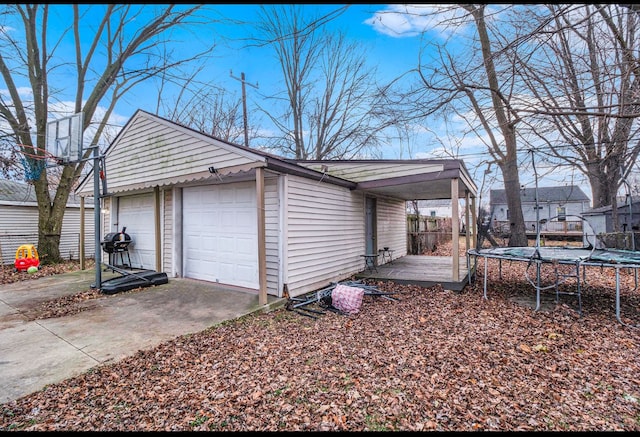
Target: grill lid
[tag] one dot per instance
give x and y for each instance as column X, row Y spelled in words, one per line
column 116, row 240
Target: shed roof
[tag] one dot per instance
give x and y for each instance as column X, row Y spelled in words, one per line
column 16, row 193
column 568, row 193
column 622, row 205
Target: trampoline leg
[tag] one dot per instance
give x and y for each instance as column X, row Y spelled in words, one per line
column 485, row 277
column 537, row 286
column 618, row 295
column 579, row 290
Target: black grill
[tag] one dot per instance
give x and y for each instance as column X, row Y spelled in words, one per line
column 115, row 243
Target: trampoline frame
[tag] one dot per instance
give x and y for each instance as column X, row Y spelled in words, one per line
column 538, row 259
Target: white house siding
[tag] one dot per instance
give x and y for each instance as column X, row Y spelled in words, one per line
column 272, row 234
column 391, row 226
column 167, row 225
column 154, row 151
column 70, row 235
column 325, row 234
column 136, row 213
column 367, row 171
column 19, row 225
column 548, row 210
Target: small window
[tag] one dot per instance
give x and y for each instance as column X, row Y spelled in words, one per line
column 561, row 213
column 508, row 215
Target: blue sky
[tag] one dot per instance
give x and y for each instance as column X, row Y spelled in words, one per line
column 390, row 35
column 391, row 45
column 390, row 40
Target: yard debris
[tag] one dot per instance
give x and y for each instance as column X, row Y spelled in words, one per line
column 325, row 300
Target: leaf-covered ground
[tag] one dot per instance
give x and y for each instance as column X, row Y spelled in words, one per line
column 434, row 360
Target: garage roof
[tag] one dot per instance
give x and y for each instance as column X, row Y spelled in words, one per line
column 153, row 151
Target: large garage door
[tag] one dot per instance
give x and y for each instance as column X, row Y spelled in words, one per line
column 136, row 214
column 220, row 234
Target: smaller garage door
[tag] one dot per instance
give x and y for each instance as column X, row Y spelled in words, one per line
column 136, row 214
column 220, row 234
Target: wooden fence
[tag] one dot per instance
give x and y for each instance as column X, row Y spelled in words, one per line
column 424, row 235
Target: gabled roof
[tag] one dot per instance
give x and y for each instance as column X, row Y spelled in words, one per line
column 568, row 193
column 22, row 194
column 157, row 147
column 152, row 151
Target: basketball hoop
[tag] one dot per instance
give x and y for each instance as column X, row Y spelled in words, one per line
column 33, row 168
column 33, row 164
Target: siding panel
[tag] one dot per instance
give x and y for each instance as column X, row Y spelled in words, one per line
column 19, row 225
column 153, row 151
column 391, row 226
column 272, row 234
column 167, row 230
column 325, row 235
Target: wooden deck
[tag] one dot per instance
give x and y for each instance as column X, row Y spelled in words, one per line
column 422, row 270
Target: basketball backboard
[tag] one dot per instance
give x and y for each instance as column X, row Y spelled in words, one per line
column 64, row 138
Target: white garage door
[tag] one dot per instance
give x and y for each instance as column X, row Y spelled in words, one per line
column 220, row 234
column 136, row 214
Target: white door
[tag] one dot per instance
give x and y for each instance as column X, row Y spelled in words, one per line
column 220, row 234
column 136, row 214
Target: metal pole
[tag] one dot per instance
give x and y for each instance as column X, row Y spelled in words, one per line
column 96, row 210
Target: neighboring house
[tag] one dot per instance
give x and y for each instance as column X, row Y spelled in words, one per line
column 432, row 208
column 560, row 208
column 19, row 222
column 199, row 207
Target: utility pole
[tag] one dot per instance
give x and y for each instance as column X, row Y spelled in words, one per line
column 244, row 104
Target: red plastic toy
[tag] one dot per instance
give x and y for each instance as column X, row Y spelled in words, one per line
column 26, row 256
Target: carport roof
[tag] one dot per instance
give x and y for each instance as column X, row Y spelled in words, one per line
column 413, row 179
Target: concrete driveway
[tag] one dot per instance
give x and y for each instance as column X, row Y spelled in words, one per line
column 36, row 353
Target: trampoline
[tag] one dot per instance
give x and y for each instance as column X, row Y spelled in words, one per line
column 576, row 257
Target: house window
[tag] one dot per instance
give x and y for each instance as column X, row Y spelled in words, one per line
column 507, row 214
column 433, row 214
column 561, row 212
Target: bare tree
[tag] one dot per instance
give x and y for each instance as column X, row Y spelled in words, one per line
column 331, row 99
column 476, row 85
column 211, row 111
column 109, row 55
column 584, row 77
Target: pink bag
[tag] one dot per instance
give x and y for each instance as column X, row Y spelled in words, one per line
column 347, row 299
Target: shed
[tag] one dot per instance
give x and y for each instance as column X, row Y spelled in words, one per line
column 19, row 222
column 199, row 207
column 601, row 219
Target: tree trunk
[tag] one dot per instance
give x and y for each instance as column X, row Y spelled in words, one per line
column 517, row 232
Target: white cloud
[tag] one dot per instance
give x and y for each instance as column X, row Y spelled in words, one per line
column 401, row 21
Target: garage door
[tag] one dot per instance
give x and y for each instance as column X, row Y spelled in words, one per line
column 136, row 213
column 220, row 234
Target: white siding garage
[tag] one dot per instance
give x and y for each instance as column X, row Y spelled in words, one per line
column 136, row 214
column 220, row 234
